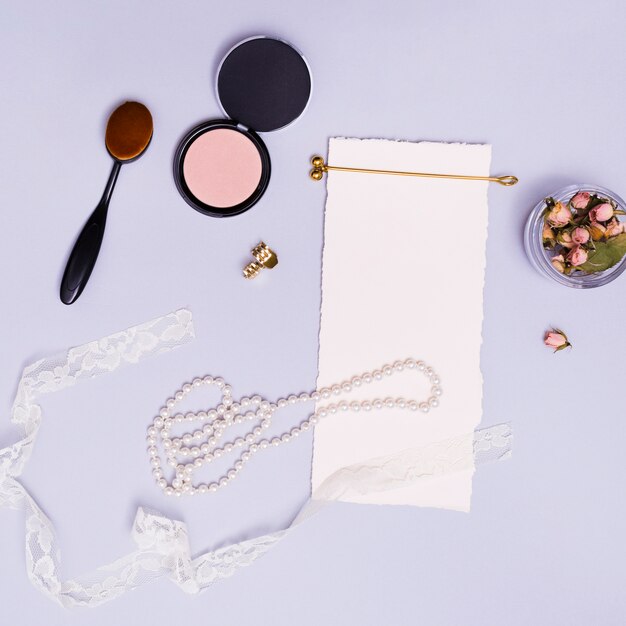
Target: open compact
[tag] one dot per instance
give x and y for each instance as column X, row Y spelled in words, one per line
column 222, row 167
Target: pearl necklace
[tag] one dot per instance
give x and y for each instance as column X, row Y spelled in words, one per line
column 191, row 451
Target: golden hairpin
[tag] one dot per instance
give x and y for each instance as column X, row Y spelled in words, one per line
column 320, row 167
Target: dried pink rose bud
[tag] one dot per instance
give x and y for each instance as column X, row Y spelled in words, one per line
column 597, row 231
column 559, row 215
column 547, row 234
column 556, row 339
column 580, row 235
column 614, row 228
column 580, row 200
column 577, row 256
column 565, row 239
column 558, row 263
column 601, row 213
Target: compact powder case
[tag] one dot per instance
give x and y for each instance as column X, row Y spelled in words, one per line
column 222, row 167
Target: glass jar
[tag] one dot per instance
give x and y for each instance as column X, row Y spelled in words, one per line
column 541, row 258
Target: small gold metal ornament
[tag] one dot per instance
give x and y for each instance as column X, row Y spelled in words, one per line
column 320, row 168
column 265, row 257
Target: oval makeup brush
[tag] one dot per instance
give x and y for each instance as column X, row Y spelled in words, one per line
column 128, row 134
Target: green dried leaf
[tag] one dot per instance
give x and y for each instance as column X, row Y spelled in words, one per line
column 606, row 255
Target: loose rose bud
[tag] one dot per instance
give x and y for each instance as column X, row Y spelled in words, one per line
column 614, row 228
column 580, row 235
column 577, row 256
column 601, row 213
column 558, row 263
column 580, row 200
column 547, row 234
column 597, row 231
column 559, row 215
column 556, row 339
column 565, row 239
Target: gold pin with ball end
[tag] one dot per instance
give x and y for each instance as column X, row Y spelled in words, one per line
column 320, row 168
column 265, row 257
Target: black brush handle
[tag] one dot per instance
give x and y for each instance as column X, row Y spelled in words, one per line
column 85, row 252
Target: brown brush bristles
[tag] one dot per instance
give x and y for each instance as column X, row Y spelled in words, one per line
column 129, row 131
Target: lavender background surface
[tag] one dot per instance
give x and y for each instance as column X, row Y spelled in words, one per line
column 543, row 82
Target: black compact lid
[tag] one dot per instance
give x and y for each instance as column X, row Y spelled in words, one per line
column 264, row 84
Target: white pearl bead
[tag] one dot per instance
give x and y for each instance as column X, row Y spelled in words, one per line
column 208, row 458
column 168, row 491
column 195, row 451
column 158, row 422
column 315, row 396
column 164, row 413
column 213, row 487
column 179, row 395
column 202, row 488
column 152, row 451
column 155, row 463
column 231, row 474
column 275, row 441
column 387, row 370
column 170, row 403
column 256, row 399
column 246, row 455
column 436, row 391
column 424, row 408
column 356, row 381
column 199, row 462
column 398, row 366
column 238, row 465
column 264, row 443
column 366, row 405
column 162, row 483
column 410, row 363
column 433, row 402
column 413, row 405
column 314, row 419
column 187, row 439
column 421, row 366
column 218, row 452
column 196, row 382
column 355, row 406
column 292, row 399
column 207, row 380
column 295, row 432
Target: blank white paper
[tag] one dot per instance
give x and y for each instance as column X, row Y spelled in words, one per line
column 403, row 276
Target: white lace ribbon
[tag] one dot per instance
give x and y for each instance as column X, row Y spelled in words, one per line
column 162, row 544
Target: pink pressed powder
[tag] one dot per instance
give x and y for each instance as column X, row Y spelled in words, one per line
column 222, row 167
